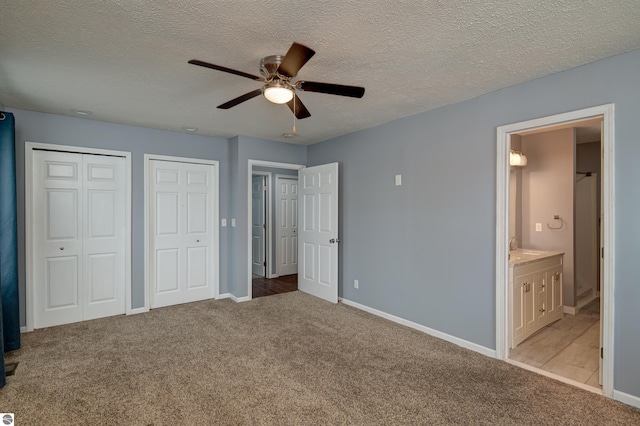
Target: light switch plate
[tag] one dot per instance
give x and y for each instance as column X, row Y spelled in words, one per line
column 538, row 227
column 233, row 223
column 224, row 222
column 398, row 180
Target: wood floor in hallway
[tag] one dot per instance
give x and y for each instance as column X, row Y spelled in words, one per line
column 569, row 347
column 268, row 287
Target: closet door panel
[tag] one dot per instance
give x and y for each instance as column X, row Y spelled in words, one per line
column 57, row 238
column 104, row 236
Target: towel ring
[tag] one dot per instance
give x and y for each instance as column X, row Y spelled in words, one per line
column 556, row 217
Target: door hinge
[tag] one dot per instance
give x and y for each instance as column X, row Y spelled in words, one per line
column 264, row 188
column 264, row 225
column 264, row 263
column 602, row 252
column 602, row 353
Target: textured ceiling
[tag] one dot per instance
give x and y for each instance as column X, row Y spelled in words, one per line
column 127, row 60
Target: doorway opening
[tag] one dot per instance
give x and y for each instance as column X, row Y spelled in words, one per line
column 555, row 215
column 273, row 215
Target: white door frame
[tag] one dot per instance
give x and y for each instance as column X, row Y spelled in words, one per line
column 608, row 224
column 259, row 163
column 215, row 234
column 28, row 177
column 267, row 218
column 278, row 214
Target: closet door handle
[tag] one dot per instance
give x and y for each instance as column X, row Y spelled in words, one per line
column 61, row 248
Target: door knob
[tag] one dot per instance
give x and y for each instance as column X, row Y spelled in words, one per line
column 334, row 240
column 61, row 248
column 197, row 241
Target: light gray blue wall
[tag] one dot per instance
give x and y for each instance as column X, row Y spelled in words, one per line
column 60, row 130
column 272, row 195
column 254, row 149
column 425, row 251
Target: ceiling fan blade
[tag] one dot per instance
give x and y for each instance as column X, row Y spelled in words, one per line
column 332, row 89
column 296, row 57
column 300, row 110
column 224, row 69
column 240, row 99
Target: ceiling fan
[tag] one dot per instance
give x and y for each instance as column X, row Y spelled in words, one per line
column 276, row 73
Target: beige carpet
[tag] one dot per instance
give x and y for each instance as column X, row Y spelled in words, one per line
column 286, row 359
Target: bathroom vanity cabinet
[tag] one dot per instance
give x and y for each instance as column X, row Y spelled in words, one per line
column 535, row 284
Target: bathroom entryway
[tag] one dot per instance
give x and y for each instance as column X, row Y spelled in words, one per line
column 557, row 203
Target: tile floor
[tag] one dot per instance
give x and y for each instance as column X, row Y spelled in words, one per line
column 569, row 347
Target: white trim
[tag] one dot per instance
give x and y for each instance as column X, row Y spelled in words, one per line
column 215, row 252
column 28, row 177
column 267, row 219
column 555, row 376
column 278, row 254
column 626, row 398
column 430, row 331
column 23, row 330
column 250, row 165
column 234, row 298
column 502, row 224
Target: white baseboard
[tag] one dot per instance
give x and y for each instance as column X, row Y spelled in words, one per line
column 234, row 298
column 136, row 311
column 435, row 333
column 23, row 329
column 626, row 398
column 572, row 310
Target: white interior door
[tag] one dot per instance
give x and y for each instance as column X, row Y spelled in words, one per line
column 287, row 225
column 78, row 237
column 57, row 235
column 181, row 197
column 586, row 237
column 104, row 230
column 318, row 231
column 258, row 225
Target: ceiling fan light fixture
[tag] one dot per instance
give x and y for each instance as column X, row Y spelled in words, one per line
column 278, row 94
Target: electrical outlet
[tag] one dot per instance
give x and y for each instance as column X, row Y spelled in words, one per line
column 224, row 222
column 233, row 223
column 356, row 284
column 538, row 227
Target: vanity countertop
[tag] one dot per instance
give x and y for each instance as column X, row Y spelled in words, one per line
column 523, row 256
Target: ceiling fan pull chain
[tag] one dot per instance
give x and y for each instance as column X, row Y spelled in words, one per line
column 294, row 113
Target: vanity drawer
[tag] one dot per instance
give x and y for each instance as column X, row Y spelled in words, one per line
column 536, row 265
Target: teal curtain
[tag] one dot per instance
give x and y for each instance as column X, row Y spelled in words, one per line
column 9, row 302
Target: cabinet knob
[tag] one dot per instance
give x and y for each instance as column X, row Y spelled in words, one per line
column 61, row 248
column 542, row 309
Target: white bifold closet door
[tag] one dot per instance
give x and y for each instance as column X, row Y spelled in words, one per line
column 181, row 197
column 79, row 237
